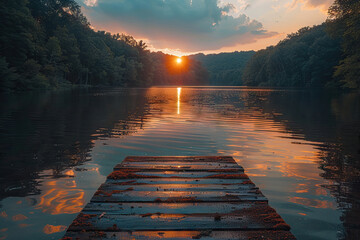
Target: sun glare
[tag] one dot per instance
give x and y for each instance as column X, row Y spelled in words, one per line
column 178, row 99
column 178, row 60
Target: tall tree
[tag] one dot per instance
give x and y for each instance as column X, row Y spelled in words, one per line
column 345, row 15
column 8, row 76
column 18, row 30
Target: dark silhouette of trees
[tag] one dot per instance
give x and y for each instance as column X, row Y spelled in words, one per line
column 50, row 44
column 225, row 68
column 304, row 59
column 327, row 55
column 344, row 21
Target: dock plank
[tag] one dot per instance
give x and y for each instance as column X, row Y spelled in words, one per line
column 140, row 173
column 178, row 196
column 176, row 181
column 182, row 235
column 178, row 166
column 164, row 221
column 171, row 208
column 218, row 159
column 175, row 187
column 168, row 197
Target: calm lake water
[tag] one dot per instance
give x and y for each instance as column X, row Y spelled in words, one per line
column 301, row 148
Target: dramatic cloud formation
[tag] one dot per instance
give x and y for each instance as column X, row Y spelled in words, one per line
column 187, row 25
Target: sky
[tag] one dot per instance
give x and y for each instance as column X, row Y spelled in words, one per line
column 183, row 27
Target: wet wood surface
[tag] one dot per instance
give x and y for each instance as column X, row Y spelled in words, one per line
column 178, row 198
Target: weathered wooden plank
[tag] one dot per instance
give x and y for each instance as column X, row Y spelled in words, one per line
column 182, row 158
column 256, row 217
column 179, row 196
column 177, row 166
column 108, row 187
column 134, row 173
column 181, row 169
column 181, row 235
column 176, row 181
column 179, row 162
column 170, row 208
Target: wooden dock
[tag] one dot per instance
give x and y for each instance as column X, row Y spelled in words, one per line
column 178, row 198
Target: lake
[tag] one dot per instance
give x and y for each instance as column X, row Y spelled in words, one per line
column 301, row 148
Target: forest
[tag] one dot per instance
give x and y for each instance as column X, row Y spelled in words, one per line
column 225, row 69
column 327, row 55
column 49, row 44
column 304, row 59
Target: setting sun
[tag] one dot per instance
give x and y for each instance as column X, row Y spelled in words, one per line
column 168, row 98
column 178, row 60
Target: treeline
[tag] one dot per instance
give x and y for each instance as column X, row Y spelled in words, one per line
column 322, row 56
column 50, row 44
column 304, row 59
column 167, row 71
column 225, row 68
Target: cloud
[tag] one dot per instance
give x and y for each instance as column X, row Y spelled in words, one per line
column 90, row 3
column 311, row 4
column 188, row 25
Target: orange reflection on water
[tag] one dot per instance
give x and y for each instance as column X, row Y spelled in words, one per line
column 168, row 216
column 272, row 150
column 178, row 99
column 3, row 214
column 61, row 197
column 69, row 173
column 316, row 203
column 307, row 171
column 19, row 217
column 50, row 229
column 302, row 188
column 22, row 225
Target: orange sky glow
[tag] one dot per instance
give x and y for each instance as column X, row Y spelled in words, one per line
column 186, row 27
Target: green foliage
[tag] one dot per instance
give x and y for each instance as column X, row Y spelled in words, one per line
column 327, row 55
column 49, row 43
column 345, row 15
column 18, row 32
column 31, row 77
column 8, row 76
column 304, row 59
column 225, row 68
column 53, row 48
column 343, row 8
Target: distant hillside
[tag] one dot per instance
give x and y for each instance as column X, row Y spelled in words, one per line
column 304, row 59
column 225, row 68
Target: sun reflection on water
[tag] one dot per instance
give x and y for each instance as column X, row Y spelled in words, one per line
column 178, row 99
column 255, row 126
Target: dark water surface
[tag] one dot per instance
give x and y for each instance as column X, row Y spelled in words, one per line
column 301, row 148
